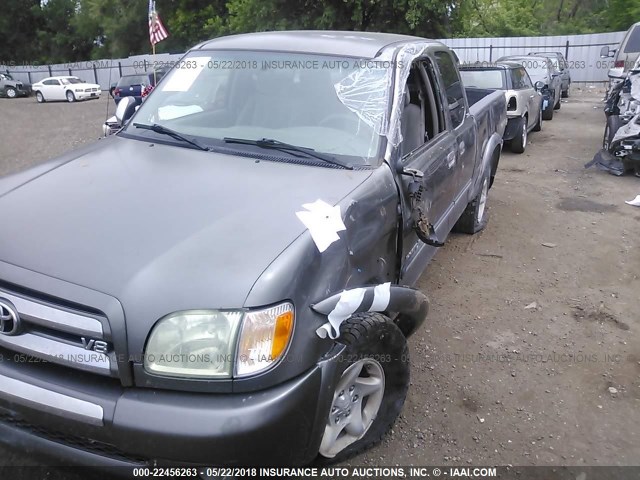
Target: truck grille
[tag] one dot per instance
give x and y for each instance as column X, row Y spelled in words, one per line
column 55, row 333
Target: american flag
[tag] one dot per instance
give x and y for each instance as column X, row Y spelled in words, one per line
column 157, row 31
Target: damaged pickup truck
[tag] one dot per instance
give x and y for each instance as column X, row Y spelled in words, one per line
column 228, row 279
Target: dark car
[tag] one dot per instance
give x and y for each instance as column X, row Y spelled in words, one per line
column 560, row 64
column 135, row 85
column 542, row 69
column 11, row 88
column 228, row 280
column 132, row 86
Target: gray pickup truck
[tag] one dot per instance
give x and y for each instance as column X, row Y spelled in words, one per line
column 228, row 279
column 11, row 88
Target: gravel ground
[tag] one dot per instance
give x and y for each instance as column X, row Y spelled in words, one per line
column 531, row 353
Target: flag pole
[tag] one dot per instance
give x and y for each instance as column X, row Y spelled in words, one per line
column 154, row 65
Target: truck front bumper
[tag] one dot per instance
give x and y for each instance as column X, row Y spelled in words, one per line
column 80, row 422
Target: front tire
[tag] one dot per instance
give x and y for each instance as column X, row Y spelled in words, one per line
column 558, row 104
column 475, row 216
column 40, row 97
column 547, row 113
column 565, row 93
column 11, row 92
column 70, row 97
column 538, row 126
column 372, row 387
column 519, row 143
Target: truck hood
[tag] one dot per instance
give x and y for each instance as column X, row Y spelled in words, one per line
column 161, row 224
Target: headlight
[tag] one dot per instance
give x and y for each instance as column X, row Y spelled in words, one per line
column 264, row 338
column 197, row 343
column 202, row 343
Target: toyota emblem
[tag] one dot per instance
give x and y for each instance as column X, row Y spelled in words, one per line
column 9, row 318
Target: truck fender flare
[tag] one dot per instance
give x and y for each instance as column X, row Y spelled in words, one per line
column 494, row 143
column 411, row 305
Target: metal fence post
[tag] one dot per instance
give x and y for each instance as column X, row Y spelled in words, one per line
column 49, row 67
column 29, row 77
column 70, row 74
column 566, row 50
column 120, row 68
column 95, row 73
column 490, row 53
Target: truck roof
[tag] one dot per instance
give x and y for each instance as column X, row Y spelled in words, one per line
column 352, row 44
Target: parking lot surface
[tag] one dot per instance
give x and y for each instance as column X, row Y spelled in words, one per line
column 531, row 352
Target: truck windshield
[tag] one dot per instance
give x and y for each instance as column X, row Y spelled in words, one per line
column 291, row 98
column 483, row 78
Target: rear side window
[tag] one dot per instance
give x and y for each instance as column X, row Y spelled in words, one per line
column 633, row 42
column 452, row 86
column 520, row 79
column 51, row 82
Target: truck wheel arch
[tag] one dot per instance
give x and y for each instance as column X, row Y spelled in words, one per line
column 411, row 305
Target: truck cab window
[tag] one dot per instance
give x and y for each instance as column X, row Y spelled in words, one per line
column 453, row 87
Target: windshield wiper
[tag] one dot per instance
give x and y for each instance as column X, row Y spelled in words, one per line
column 172, row 133
column 287, row 147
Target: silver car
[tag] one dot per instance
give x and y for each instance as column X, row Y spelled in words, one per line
column 541, row 69
column 524, row 102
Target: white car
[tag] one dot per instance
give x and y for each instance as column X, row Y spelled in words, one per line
column 65, row 88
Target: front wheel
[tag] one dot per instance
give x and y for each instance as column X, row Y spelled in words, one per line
column 538, row 126
column 547, row 113
column 372, row 387
column 39, row 97
column 71, row 97
column 519, row 143
column 558, row 104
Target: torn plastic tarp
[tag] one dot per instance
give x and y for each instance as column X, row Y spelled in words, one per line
column 634, row 78
column 631, row 129
column 367, row 91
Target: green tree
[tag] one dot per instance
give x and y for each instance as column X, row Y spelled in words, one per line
column 18, row 21
column 59, row 37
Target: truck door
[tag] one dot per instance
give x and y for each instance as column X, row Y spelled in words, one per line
column 461, row 124
column 427, row 155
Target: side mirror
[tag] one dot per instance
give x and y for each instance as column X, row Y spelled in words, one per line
column 607, row 52
column 125, row 109
column 539, row 85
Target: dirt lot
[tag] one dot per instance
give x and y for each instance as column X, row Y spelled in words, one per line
column 531, row 353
